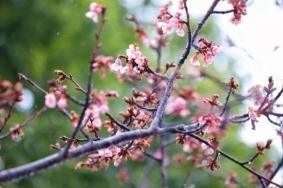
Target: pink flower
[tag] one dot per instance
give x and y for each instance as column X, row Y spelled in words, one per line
column 136, row 62
column 208, row 50
column 117, row 161
column 94, row 10
column 252, row 114
column 112, row 93
column 102, row 63
column 96, row 123
column 117, row 65
column 164, row 27
column 240, row 9
column 103, row 108
column 105, row 152
column 62, row 102
column 190, row 144
column 180, row 31
column 206, row 149
column 194, row 60
column 92, row 117
column 181, row 4
column 50, row 100
column 257, row 94
column 102, row 102
column 177, row 24
column 177, row 106
column 133, row 52
column 231, row 180
column 167, row 23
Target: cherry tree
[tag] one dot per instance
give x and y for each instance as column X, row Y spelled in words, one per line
column 100, row 140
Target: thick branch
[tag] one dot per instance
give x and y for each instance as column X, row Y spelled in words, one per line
column 47, row 162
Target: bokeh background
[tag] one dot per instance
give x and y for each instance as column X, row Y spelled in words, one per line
column 37, row 37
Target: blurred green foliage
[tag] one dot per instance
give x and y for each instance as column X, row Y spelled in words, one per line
column 37, row 37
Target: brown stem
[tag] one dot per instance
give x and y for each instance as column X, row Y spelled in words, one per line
column 25, row 123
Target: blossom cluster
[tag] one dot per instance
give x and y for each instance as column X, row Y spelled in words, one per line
column 168, row 23
column 10, row 94
column 208, row 51
column 136, row 62
column 200, row 153
column 56, row 99
column 115, row 154
column 178, row 103
column 101, row 64
column 239, row 10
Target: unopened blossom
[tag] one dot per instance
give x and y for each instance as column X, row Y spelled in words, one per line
column 17, row 132
column 112, row 94
column 143, row 37
column 177, row 106
column 62, row 102
column 94, row 10
column 50, row 100
column 117, row 161
column 74, row 118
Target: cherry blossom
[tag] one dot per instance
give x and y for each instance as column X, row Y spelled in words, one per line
column 177, row 106
column 92, row 118
column 50, row 100
column 252, row 114
column 102, row 63
column 168, row 24
column 240, row 9
column 208, row 51
column 231, row 180
column 94, row 10
column 206, row 149
column 62, row 102
column 117, row 65
column 136, row 62
column 257, row 94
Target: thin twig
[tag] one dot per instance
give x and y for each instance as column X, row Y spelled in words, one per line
column 235, row 161
column 23, row 77
column 25, row 123
column 122, row 126
column 226, row 101
column 223, row 11
column 89, row 86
